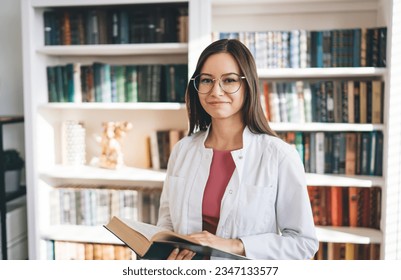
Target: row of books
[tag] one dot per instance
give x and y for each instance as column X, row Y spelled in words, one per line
column 347, row 251
column 161, row 145
column 102, row 82
column 332, row 101
column 67, row 250
column 358, row 47
column 346, row 206
column 91, row 206
column 120, row 24
column 350, row 153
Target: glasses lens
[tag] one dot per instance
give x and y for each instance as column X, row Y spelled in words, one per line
column 230, row 83
column 203, row 83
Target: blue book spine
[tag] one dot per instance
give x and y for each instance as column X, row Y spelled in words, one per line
column 356, row 52
column 319, row 49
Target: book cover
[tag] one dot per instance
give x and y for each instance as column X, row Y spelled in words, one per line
column 294, row 98
column 377, row 102
column 357, row 107
column 353, row 194
column 365, row 153
column 356, row 47
column 382, row 47
column 364, row 208
column 48, row 27
column 65, row 28
column 337, row 206
column 379, row 155
column 350, row 101
column 324, row 206
column 307, row 151
column 51, row 84
column 363, row 102
column 375, row 207
column 154, row 243
column 314, row 197
column 363, row 47
column 319, row 152
column 339, row 103
column 307, row 98
column 265, row 99
column 274, row 103
column 351, row 251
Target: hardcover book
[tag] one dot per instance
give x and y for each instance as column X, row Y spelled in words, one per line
column 155, row 243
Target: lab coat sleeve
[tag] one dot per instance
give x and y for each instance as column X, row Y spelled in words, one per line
column 297, row 238
column 164, row 219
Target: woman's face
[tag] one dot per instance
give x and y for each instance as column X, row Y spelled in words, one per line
column 218, row 103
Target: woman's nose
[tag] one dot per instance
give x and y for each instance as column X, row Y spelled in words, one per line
column 216, row 89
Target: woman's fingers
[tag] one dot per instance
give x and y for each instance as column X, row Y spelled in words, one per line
column 173, row 254
column 184, row 254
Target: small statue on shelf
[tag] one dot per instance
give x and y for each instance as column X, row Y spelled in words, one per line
column 111, row 144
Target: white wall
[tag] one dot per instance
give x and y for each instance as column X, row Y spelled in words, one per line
column 11, row 86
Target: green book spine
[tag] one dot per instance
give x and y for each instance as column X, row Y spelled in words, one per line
column 51, row 84
column 131, row 88
column 120, row 82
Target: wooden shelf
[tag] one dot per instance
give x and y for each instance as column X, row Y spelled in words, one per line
column 342, row 180
column 62, row 3
column 115, row 106
column 115, row 50
column 137, row 177
column 329, row 127
column 273, row 7
column 98, row 234
column 78, row 233
column 329, row 73
column 349, row 235
column 126, row 176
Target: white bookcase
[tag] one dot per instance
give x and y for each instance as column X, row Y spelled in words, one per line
column 43, row 119
column 43, row 128
column 267, row 15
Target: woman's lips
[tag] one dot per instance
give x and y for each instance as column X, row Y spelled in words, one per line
column 217, row 102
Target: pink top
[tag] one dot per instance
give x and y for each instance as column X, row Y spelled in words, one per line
column 221, row 170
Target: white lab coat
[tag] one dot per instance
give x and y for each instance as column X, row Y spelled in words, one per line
column 265, row 204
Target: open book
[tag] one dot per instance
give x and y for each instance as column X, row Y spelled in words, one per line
column 154, row 243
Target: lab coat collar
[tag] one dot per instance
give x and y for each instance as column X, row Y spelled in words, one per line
column 246, row 137
column 237, row 155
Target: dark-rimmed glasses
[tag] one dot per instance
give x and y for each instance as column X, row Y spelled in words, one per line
column 230, row 83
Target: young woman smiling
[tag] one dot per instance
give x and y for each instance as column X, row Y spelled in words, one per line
column 232, row 183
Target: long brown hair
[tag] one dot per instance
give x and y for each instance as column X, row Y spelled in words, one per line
column 253, row 115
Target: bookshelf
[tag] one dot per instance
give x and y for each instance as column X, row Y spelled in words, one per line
column 44, row 164
column 273, row 15
column 43, row 119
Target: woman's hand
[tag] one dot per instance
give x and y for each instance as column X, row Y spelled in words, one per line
column 229, row 245
column 184, row 254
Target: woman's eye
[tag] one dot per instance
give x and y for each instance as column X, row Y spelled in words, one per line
column 206, row 81
column 229, row 81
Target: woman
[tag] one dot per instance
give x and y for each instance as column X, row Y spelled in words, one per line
column 231, row 183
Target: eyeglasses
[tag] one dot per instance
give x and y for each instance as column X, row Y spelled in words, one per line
column 230, row 83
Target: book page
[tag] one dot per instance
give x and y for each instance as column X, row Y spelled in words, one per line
column 152, row 232
column 146, row 230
